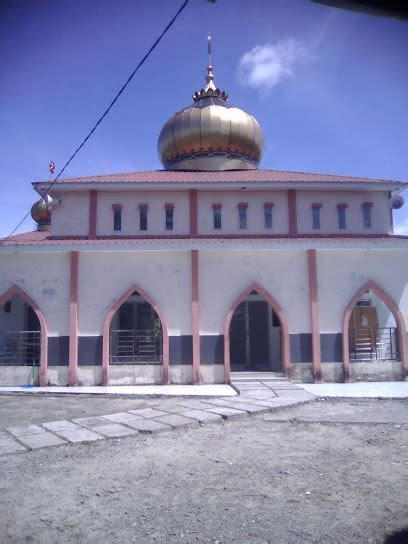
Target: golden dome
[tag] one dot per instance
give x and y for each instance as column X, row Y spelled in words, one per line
column 41, row 212
column 210, row 135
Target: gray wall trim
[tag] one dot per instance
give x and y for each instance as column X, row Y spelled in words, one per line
column 331, row 347
column 212, row 349
column 181, row 350
column 58, row 350
column 301, row 347
column 90, row 350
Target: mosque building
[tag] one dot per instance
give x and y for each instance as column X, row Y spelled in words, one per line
column 208, row 268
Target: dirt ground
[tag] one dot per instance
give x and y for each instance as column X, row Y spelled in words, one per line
column 18, row 409
column 271, row 478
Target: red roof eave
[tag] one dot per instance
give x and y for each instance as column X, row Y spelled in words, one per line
column 43, row 239
column 216, row 177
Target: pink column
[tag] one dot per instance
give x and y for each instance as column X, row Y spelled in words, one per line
column 292, row 212
column 391, row 222
column 195, row 307
column 314, row 312
column 73, row 320
column 93, row 208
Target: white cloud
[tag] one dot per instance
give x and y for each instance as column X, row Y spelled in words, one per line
column 264, row 66
column 402, row 228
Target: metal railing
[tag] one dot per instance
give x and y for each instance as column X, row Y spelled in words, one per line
column 136, row 347
column 373, row 344
column 20, row 348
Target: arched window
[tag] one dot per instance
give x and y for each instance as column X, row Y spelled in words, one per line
column 136, row 336
column 135, row 333
column 256, row 334
column 23, row 334
column 372, row 330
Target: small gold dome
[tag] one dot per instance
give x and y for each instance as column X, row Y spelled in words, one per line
column 41, row 212
column 210, row 135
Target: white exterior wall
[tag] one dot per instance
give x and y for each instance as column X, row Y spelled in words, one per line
column 105, row 277
column 224, row 275
column 255, row 212
column 380, row 216
column 342, row 273
column 45, row 278
column 156, row 217
column 71, row 217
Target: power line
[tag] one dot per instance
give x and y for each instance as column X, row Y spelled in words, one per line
column 155, row 44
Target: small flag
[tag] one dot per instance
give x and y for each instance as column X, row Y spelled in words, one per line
column 52, row 167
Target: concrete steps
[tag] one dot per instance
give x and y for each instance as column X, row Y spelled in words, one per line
column 240, row 377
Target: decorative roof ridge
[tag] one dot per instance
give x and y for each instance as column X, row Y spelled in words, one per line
column 249, row 173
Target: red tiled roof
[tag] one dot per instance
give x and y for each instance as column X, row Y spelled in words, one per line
column 36, row 238
column 225, row 176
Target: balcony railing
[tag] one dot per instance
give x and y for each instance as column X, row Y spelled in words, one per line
column 20, row 348
column 129, row 347
column 374, row 344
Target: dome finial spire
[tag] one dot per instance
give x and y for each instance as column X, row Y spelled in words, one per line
column 210, row 76
column 210, row 89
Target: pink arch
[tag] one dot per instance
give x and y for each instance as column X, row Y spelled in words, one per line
column 396, row 312
column 107, row 324
column 285, row 348
column 16, row 290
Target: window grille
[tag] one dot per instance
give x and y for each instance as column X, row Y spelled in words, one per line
column 242, row 214
column 117, row 220
column 367, row 214
column 316, row 215
column 364, row 303
column 136, row 346
column 268, row 215
column 341, row 214
column 217, row 216
column 20, row 348
column 373, row 344
column 169, row 218
column 143, row 216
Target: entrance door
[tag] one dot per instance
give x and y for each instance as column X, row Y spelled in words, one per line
column 255, row 337
column 258, row 337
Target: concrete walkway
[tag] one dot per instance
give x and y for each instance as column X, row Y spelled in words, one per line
column 396, row 390
column 157, row 416
column 210, row 390
column 213, row 404
column 372, row 390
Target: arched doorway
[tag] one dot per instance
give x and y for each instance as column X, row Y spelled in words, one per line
column 23, row 337
column 373, row 329
column 135, row 334
column 256, row 336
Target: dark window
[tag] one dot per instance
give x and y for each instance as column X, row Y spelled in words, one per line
column 242, row 217
column 169, row 218
column 316, row 217
column 117, row 219
column 341, row 212
column 143, row 218
column 367, row 217
column 7, row 307
column 268, row 217
column 217, row 217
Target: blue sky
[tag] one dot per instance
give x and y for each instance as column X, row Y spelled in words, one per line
column 329, row 87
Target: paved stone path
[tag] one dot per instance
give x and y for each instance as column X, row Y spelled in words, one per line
column 164, row 415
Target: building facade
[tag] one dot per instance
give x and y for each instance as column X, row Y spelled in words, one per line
column 209, row 266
